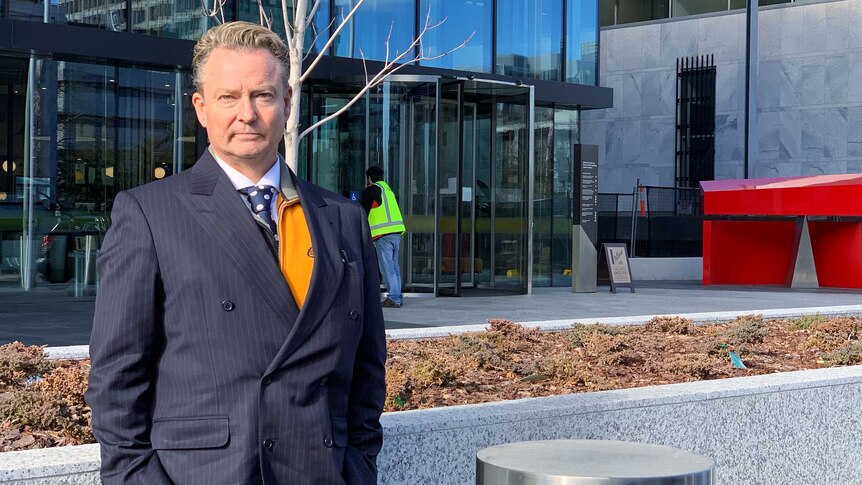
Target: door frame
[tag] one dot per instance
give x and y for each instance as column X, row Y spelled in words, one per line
column 454, row 289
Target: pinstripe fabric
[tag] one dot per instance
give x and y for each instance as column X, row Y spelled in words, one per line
column 204, row 371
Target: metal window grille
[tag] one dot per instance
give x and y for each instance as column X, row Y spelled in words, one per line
column 695, row 120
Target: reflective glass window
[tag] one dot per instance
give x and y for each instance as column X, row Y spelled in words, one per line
column 607, row 12
column 179, row 19
column 529, row 39
column 693, row 7
column 96, row 130
column 582, row 42
column 13, row 91
column 373, row 23
column 511, row 139
column 337, row 152
column 642, row 10
column 103, row 14
column 543, row 200
column 316, row 33
column 555, row 135
column 463, row 18
column 565, row 137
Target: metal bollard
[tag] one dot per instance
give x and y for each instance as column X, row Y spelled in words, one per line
column 590, row 462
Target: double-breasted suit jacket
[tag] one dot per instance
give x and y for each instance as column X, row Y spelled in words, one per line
column 203, row 369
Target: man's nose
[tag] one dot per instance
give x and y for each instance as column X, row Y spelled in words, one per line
column 247, row 112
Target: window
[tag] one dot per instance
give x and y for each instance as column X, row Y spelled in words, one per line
column 695, row 120
column 693, row 7
column 640, row 10
column 370, row 27
column 316, row 32
column 529, row 37
column 176, row 19
column 582, row 41
column 463, row 17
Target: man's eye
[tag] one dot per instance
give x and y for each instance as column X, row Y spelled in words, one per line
column 265, row 95
column 225, row 97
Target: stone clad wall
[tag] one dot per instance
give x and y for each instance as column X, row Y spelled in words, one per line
column 809, row 91
column 794, row 427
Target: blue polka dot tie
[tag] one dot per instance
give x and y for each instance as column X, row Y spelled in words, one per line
column 260, row 198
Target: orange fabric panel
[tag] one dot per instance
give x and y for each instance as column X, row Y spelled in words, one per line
column 295, row 252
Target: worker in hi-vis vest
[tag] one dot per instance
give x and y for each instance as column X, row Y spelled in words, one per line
column 387, row 226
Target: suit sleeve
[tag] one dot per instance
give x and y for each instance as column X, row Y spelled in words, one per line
column 125, row 340
column 370, row 195
column 368, row 388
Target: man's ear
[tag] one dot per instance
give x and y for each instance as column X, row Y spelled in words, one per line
column 200, row 108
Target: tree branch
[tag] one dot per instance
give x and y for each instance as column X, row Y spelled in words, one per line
column 364, row 65
column 287, row 28
column 332, row 38
column 216, row 12
column 389, row 68
column 265, row 20
column 317, row 36
column 310, row 19
column 388, row 38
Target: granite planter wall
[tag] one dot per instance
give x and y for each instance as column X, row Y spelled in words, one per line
column 795, row 427
column 810, row 100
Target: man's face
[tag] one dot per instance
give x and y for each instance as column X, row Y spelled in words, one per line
column 243, row 106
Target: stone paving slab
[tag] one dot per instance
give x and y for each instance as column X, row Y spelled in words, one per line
column 53, row 318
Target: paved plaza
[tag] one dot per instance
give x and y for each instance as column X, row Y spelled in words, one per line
column 52, row 317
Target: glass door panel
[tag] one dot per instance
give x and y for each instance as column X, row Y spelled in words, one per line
column 449, row 184
column 421, row 201
column 511, row 183
column 469, row 268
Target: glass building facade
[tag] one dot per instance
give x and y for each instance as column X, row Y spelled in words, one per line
column 478, row 142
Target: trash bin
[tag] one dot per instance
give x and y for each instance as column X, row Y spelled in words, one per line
column 590, row 462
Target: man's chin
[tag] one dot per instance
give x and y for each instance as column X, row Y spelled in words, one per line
column 249, row 156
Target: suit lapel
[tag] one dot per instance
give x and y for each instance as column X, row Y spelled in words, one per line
column 324, row 224
column 227, row 220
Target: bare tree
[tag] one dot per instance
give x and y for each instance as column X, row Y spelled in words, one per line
column 295, row 29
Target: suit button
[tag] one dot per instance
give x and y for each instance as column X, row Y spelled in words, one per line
column 227, row 306
column 268, row 444
column 327, row 442
column 267, row 381
column 353, row 314
column 324, row 381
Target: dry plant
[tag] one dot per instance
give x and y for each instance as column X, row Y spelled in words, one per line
column 663, row 324
column 18, row 362
column 42, row 401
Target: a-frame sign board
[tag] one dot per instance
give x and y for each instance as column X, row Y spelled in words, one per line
column 614, row 259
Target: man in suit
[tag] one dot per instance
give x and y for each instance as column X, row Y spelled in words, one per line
column 238, row 336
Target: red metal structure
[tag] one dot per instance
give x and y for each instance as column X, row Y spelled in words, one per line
column 753, row 229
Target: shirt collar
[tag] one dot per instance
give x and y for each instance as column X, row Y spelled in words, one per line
column 240, row 181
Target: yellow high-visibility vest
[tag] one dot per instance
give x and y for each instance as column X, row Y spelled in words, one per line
column 386, row 218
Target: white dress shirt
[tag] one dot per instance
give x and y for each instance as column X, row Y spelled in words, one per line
column 240, row 181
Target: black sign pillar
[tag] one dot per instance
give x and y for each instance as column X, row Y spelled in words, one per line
column 585, row 218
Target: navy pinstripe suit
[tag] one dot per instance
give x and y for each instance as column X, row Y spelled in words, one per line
column 204, row 371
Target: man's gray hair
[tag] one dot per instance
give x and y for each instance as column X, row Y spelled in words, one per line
column 238, row 36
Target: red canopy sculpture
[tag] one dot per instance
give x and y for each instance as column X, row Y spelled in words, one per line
column 791, row 231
